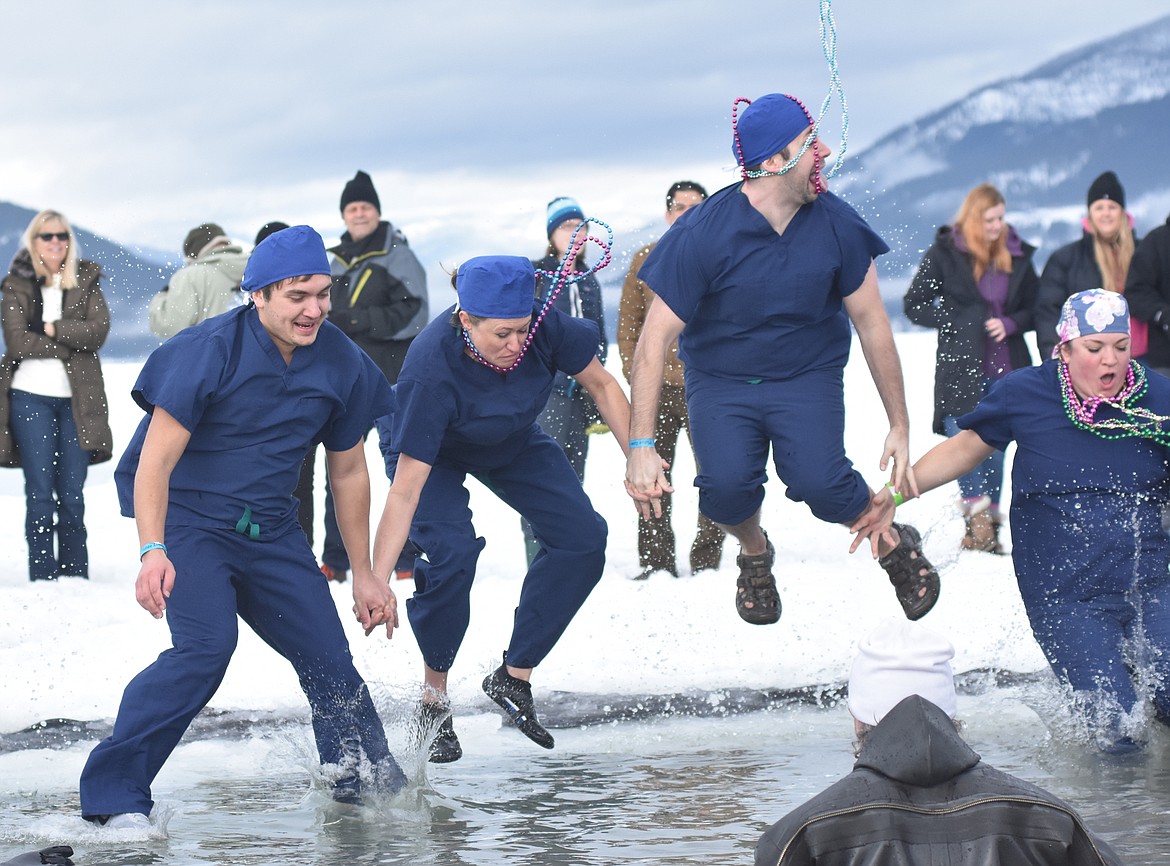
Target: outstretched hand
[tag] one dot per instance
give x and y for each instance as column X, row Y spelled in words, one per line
column 374, row 603
column 875, row 523
column 646, row 481
column 156, row 579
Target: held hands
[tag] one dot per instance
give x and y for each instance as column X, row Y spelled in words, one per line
column 897, row 448
column 156, row 579
column 374, row 603
column 646, row 481
column 874, row 523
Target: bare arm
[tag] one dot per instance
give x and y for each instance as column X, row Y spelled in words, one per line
column 166, row 440
column 946, row 461
column 374, row 601
column 394, row 528
column 869, row 317
column 610, row 399
column 645, row 479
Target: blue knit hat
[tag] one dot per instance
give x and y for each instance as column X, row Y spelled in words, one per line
column 768, row 126
column 292, row 252
column 560, row 209
column 496, row 287
column 1094, row 311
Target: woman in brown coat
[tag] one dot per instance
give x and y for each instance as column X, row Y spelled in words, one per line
column 53, row 411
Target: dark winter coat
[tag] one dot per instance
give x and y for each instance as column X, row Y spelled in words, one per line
column 83, row 328
column 918, row 796
column 1147, row 288
column 945, row 296
column 1071, row 269
column 588, row 291
column 379, row 295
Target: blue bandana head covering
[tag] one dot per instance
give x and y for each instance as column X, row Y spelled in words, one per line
column 496, row 287
column 768, row 126
column 1094, row 311
column 293, row 252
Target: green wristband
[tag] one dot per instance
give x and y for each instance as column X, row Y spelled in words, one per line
column 898, row 497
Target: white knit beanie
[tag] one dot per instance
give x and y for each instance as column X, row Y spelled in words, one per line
column 898, row 659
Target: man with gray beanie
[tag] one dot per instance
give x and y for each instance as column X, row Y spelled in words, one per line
column 918, row 793
column 207, row 285
column 231, row 406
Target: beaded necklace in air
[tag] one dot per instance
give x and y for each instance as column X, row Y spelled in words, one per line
column 1136, row 420
column 564, row 275
column 829, row 49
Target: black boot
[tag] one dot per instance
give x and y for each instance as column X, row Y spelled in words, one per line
column 515, row 697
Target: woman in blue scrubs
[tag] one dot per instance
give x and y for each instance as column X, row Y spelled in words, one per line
column 473, row 384
column 1090, row 478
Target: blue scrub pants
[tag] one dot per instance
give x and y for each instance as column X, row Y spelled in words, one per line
column 1085, row 639
column 274, row 586
column 543, row 487
column 45, row 432
column 803, row 421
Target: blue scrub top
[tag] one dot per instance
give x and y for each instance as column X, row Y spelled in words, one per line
column 251, row 416
column 452, row 410
column 759, row 305
column 1086, row 511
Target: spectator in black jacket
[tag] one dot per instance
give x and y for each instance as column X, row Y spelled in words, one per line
column 918, row 794
column 976, row 286
column 1099, row 260
column 1147, row 288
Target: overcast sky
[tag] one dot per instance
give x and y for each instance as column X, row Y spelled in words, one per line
column 141, row 119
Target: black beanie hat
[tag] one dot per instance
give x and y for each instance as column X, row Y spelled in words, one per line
column 361, row 188
column 270, row 229
column 1106, row 186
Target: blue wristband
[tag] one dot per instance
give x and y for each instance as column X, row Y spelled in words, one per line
column 641, row 443
column 152, row 545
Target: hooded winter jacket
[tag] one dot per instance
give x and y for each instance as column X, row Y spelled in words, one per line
column 919, row 796
column 81, row 331
column 208, row 286
column 944, row 295
column 379, row 295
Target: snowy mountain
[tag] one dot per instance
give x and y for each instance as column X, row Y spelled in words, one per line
column 1041, row 138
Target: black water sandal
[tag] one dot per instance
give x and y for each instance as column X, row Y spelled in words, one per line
column 756, row 586
column 905, row 564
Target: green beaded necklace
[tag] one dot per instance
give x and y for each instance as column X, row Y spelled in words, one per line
column 1136, row 420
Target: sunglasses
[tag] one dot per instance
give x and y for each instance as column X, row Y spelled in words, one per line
column 48, row 236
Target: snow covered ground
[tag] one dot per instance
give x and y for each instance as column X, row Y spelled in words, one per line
column 68, row 648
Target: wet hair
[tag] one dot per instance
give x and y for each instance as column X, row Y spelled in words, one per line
column 684, row 186
column 785, row 154
column 969, row 223
column 69, row 267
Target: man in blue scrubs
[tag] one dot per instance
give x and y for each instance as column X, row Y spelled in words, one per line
column 232, row 406
column 759, row 284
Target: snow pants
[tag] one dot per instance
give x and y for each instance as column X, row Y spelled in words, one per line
column 275, row 587
column 803, row 421
column 542, row 486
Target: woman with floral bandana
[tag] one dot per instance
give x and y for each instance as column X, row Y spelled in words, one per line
column 1089, row 480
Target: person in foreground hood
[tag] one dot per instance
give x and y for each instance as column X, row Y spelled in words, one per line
column 918, row 793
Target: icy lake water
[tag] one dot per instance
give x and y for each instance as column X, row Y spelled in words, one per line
column 668, row 790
